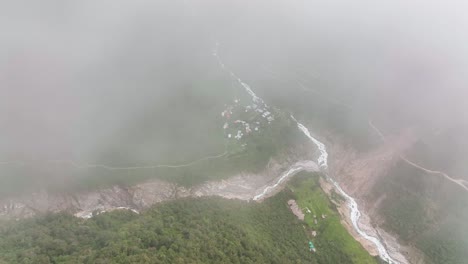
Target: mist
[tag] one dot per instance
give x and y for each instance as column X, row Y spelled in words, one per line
column 85, row 81
column 274, row 124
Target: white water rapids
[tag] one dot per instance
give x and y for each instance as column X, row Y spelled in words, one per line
column 322, row 162
column 299, row 166
column 355, row 213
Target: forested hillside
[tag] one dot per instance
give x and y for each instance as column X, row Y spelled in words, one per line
column 426, row 211
column 205, row 230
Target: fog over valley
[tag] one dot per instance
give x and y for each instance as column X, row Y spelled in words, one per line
column 345, row 121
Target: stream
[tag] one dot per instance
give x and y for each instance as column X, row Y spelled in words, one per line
column 322, row 161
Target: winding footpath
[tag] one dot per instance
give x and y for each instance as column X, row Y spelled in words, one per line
column 322, row 162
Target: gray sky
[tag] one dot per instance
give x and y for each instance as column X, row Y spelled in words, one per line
column 73, row 74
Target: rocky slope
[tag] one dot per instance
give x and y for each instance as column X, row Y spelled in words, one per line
column 400, row 200
column 243, row 186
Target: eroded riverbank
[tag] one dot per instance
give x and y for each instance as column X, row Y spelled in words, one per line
column 322, row 161
column 244, row 186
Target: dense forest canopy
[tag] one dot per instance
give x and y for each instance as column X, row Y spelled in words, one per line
column 204, row 230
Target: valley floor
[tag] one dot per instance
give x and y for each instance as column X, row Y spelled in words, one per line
column 198, row 230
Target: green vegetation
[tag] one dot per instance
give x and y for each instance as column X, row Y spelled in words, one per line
column 181, row 128
column 204, row 230
column 251, row 153
column 404, row 210
column 333, row 242
column 315, row 102
column 172, row 124
column 336, row 197
column 426, row 211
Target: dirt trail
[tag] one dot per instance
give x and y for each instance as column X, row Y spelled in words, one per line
column 459, row 182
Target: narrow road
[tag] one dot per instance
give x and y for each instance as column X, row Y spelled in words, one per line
column 322, row 162
column 460, row 182
column 78, row 165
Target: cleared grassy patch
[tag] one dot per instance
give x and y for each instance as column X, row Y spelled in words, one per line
column 333, row 242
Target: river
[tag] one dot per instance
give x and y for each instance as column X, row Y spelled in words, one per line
column 322, row 161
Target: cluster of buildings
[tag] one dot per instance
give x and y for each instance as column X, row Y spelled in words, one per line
column 239, row 128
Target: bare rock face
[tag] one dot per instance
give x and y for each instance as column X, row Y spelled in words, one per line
column 296, row 210
column 146, row 194
column 15, row 209
column 85, row 203
column 243, row 186
column 358, row 172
